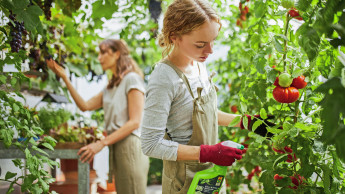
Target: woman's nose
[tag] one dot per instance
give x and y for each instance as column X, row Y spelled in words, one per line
column 209, row 48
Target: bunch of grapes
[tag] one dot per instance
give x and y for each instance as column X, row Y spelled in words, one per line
column 46, row 8
column 155, row 9
column 35, row 56
column 16, row 33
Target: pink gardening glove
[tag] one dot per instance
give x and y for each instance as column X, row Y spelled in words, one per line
column 219, row 154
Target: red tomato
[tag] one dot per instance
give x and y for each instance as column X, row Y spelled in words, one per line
column 277, row 177
column 239, row 23
column 234, row 109
column 276, row 83
column 273, row 66
column 288, row 149
column 299, row 82
column 246, row 9
column 278, row 151
column 243, row 17
column 294, row 180
column 250, row 176
column 295, row 14
column 289, row 160
column 285, row 95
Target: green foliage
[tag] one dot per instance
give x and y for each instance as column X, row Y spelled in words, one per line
column 51, row 119
column 313, row 126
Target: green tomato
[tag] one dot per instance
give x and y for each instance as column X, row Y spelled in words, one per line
column 288, row 3
column 285, row 80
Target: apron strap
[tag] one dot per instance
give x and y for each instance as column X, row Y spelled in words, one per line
column 180, row 74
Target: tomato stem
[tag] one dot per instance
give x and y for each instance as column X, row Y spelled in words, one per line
column 285, row 41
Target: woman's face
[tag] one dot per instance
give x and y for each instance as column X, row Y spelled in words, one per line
column 107, row 57
column 198, row 44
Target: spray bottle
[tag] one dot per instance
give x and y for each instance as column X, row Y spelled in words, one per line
column 209, row 181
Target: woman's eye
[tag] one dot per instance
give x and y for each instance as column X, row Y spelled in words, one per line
column 200, row 46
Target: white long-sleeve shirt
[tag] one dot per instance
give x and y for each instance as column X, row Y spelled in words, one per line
column 169, row 106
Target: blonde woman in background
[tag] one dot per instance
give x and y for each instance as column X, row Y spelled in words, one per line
column 123, row 101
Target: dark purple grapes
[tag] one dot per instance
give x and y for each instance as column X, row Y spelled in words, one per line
column 155, row 9
column 46, row 8
column 16, row 33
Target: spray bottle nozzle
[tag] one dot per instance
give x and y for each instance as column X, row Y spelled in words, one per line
column 233, row 144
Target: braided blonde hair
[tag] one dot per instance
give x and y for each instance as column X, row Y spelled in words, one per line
column 182, row 17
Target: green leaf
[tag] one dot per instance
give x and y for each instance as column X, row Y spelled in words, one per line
column 267, row 179
column 256, row 125
column 333, row 105
column 3, row 79
column 15, row 107
column 17, row 162
column 303, row 5
column 10, row 175
column 293, row 132
column 30, row 16
column 309, row 40
column 47, row 145
column 235, row 121
column 297, row 72
column 259, row 8
column 7, row 4
column 278, row 45
column 105, row 10
column 243, row 107
column 20, row 4
column 287, row 126
column 13, row 81
column 263, row 113
column 326, row 178
column 10, row 188
column 245, row 122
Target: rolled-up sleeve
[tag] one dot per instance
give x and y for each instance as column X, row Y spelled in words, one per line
column 159, row 96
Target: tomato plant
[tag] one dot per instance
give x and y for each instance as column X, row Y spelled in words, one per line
column 303, row 42
column 265, row 39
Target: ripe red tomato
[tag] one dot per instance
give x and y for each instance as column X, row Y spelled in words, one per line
column 276, row 82
column 288, row 149
column 278, row 151
column 234, row 109
column 294, row 180
column 295, row 14
column 277, row 177
column 250, row 176
column 246, row 9
column 243, row 17
column 299, row 82
column 289, row 160
column 285, row 95
column 239, row 23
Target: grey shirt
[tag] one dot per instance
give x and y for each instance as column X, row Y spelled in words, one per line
column 115, row 102
column 169, row 105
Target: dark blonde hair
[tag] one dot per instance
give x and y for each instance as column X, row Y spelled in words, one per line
column 125, row 63
column 182, row 17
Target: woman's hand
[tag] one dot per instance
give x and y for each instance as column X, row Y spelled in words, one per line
column 56, row 68
column 89, row 151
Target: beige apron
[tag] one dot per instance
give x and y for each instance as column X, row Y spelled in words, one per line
column 128, row 165
column 178, row 175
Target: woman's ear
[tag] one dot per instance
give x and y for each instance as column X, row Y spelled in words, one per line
column 117, row 55
column 173, row 38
